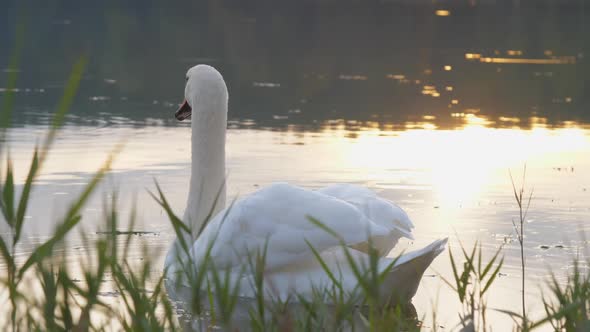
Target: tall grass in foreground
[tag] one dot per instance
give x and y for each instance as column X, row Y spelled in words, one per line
column 40, row 291
column 472, row 280
column 570, row 305
column 43, row 292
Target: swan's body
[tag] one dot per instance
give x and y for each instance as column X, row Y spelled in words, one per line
column 277, row 219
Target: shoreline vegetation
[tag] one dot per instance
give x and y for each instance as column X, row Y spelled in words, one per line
column 42, row 292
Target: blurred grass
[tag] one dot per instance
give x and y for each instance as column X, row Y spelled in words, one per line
column 62, row 304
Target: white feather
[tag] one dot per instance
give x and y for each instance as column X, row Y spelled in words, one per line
column 379, row 210
column 278, row 217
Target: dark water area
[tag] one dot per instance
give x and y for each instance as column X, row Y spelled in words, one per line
column 301, row 63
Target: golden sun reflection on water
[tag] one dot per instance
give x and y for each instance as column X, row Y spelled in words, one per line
column 456, row 164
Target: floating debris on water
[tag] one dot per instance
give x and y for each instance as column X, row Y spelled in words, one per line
column 564, row 169
column 138, row 233
column 9, row 90
column 544, row 247
column 352, row 77
column 266, row 85
column 109, row 294
column 100, row 98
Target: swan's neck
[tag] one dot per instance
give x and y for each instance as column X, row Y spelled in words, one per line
column 207, row 185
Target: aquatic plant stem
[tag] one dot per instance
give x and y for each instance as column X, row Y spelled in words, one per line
column 519, row 196
column 523, row 277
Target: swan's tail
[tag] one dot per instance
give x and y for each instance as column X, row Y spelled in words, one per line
column 403, row 279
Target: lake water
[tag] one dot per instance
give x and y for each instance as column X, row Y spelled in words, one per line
column 428, row 120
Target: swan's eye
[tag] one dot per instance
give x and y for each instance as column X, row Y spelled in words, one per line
column 186, row 78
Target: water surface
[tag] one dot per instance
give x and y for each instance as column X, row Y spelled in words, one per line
column 432, row 111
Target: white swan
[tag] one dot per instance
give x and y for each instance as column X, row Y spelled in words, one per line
column 277, row 217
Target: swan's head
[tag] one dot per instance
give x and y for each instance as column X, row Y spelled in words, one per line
column 205, row 91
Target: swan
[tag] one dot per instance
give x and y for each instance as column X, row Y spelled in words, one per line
column 277, row 220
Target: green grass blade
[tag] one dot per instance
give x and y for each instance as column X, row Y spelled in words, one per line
column 324, row 227
column 350, row 260
column 79, row 203
column 8, row 259
column 447, row 282
column 8, row 195
column 324, row 266
column 360, row 277
column 490, row 263
column 71, row 219
column 24, row 197
column 211, row 210
column 179, row 227
column 479, row 260
column 46, row 249
column 388, row 268
column 470, row 258
column 211, row 299
column 493, row 276
column 458, row 282
column 563, row 311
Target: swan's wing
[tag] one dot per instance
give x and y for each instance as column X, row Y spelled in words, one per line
column 278, row 217
column 307, row 276
column 379, row 210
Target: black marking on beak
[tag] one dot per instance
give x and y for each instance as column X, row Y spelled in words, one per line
column 184, row 112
